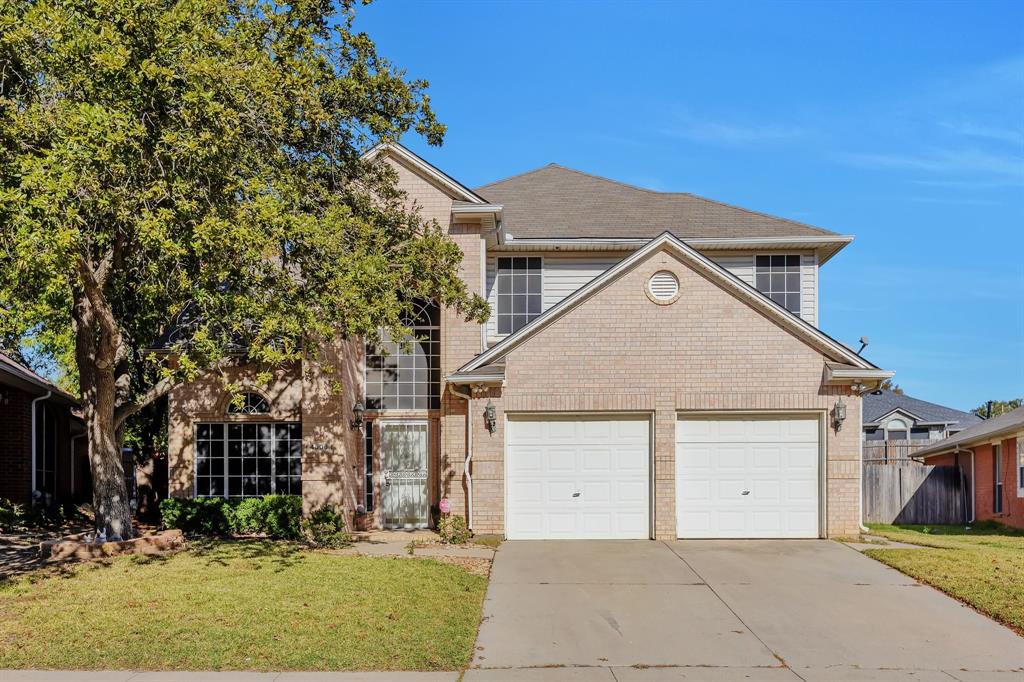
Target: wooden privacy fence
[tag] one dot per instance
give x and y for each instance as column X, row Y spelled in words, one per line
column 892, row 450
column 913, row 493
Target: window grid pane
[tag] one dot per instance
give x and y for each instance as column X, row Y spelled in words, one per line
column 778, row 278
column 368, row 471
column 406, row 376
column 519, row 292
column 248, row 460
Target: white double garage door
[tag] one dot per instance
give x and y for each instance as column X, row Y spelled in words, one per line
column 589, row 477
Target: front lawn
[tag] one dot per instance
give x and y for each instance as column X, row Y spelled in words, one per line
column 244, row 606
column 983, row 567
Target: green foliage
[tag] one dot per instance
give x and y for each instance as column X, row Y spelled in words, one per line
column 275, row 516
column 198, row 515
column 890, row 385
column 11, row 514
column 193, row 173
column 325, row 527
column 998, row 407
column 453, row 530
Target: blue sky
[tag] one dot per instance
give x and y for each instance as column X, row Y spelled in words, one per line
column 899, row 123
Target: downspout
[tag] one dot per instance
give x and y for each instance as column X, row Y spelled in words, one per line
column 469, row 452
column 35, row 438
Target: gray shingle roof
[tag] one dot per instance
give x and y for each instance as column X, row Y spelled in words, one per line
column 559, row 202
column 880, row 403
column 1004, row 424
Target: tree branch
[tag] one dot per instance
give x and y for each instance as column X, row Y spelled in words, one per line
column 158, row 390
column 110, row 340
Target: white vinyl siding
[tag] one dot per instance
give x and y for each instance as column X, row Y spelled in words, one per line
column 564, row 273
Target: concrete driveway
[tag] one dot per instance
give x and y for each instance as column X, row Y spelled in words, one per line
column 618, row 611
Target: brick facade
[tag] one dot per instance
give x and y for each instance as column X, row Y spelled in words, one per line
column 16, row 446
column 617, row 351
column 984, row 473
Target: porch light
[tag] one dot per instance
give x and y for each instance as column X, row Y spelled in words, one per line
column 491, row 417
column 839, row 414
column 357, row 415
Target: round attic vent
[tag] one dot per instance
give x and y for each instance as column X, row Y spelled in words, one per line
column 663, row 286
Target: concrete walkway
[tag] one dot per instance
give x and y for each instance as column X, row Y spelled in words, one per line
column 723, row 610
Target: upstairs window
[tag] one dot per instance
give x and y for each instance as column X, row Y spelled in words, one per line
column 407, row 375
column 778, row 278
column 519, row 284
column 248, row 403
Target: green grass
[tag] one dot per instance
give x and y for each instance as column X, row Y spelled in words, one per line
column 244, row 606
column 983, row 567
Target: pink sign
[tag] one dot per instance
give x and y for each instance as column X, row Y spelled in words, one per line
column 445, row 505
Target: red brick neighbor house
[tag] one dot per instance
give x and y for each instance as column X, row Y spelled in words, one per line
column 42, row 442
column 990, row 456
column 652, row 368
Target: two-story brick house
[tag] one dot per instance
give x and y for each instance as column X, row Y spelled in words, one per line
column 652, row 368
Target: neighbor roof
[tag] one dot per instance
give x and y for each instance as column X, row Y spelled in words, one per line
column 880, row 403
column 15, row 374
column 1004, row 424
column 559, row 202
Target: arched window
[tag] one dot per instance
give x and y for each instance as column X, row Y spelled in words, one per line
column 896, row 429
column 248, row 403
column 407, row 376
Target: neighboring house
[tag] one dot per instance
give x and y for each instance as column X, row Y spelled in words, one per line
column 43, row 456
column 652, row 368
column 991, row 457
column 896, row 425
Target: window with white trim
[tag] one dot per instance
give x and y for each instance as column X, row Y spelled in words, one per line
column 407, row 375
column 778, row 278
column 519, row 286
column 248, row 459
column 1020, row 466
column 997, row 479
column 368, row 468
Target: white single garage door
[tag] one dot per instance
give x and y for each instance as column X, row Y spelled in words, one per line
column 747, row 477
column 577, row 478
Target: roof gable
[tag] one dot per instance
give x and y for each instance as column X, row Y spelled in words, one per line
column 881, row 403
column 717, row 274
column 555, row 201
column 425, row 170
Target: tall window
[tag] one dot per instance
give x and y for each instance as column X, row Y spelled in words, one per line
column 368, row 473
column 997, row 479
column 519, row 294
column 248, row 459
column 407, row 376
column 46, row 450
column 778, row 278
column 1020, row 466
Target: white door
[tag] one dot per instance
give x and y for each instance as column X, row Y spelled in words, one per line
column 577, row 478
column 747, row 477
column 404, row 451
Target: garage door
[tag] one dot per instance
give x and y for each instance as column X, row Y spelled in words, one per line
column 747, row 477
column 577, row 478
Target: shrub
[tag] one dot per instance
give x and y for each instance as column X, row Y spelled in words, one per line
column 199, row 515
column 325, row 527
column 11, row 514
column 283, row 516
column 276, row 516
column 453, row 530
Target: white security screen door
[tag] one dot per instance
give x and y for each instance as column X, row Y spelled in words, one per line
column 404, row 451
column 578, row 477
column 747, row 477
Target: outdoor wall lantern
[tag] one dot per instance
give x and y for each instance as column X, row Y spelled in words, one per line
column 839, row 415
column 491, row 417
column 357, row 414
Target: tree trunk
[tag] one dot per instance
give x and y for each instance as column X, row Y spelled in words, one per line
column 109, row 490
column 99, row 396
